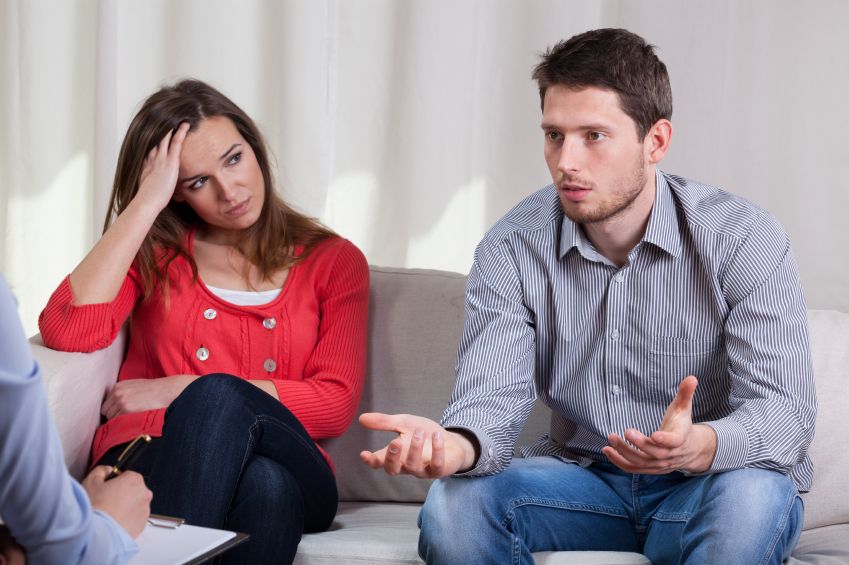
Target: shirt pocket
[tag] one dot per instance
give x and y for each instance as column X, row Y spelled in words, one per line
column 673, row 358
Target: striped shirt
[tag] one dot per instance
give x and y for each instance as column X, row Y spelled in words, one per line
column 711, row 290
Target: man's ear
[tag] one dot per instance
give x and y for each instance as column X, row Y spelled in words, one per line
column 657, row 140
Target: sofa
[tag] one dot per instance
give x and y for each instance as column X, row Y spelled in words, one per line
column 414, row 327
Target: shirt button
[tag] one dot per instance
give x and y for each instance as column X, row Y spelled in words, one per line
column 615, row 390
column 269, row 323
column 210, row 314
column 269, row 365
column 202, row 353
column 614, row 334
column 619, row 278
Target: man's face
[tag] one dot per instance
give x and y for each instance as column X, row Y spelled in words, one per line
column 593, row 153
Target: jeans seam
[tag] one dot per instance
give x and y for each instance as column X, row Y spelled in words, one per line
column 552, row 503
column 785, row 516
column 509, row 516
column 310, row 446
column 248, row 450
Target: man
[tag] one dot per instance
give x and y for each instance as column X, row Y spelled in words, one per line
column 660, row 319
column 52, row 517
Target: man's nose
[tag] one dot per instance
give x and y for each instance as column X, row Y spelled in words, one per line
column 569, row 159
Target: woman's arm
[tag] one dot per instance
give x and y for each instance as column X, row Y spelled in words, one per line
column 98, row 278
column 326, row 399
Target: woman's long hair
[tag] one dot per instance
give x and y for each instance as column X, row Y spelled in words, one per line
column 269, row 244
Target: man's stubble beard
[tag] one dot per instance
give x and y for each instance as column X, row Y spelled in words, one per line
column 630, row 188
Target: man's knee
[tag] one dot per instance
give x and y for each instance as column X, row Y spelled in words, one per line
column 753, row 494
column 450, row 519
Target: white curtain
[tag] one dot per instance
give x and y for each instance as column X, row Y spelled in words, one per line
column 412, row 126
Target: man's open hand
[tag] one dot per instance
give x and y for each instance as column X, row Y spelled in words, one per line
column 423, row 448
column 679, row 445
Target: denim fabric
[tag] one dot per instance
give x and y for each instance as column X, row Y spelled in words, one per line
column 747, row 516
column 233, row 457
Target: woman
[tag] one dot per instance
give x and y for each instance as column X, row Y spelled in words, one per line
column 219, row 277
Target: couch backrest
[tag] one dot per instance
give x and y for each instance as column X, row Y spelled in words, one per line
column 828, row 502
column 414, row 328
column 415, row 319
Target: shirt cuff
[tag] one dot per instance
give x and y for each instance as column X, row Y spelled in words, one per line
column 109, row 542
column 487, row 463
column 732, row 445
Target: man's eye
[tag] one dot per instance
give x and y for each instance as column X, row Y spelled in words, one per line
column 553, row 135
column 235, row 158
column 595, row 136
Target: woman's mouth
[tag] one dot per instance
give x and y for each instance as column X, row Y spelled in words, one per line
column 239, row 209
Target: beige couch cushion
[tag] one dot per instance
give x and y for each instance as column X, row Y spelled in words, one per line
column 826, row 503
column 415, row 318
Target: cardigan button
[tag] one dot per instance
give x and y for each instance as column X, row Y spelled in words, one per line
column 210, row 314
column 269, row 323
column 202, row 353
column 269, row 365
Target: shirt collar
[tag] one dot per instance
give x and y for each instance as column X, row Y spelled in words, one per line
column 661, row 231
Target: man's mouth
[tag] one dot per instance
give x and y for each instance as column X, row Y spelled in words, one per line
column 574, row 192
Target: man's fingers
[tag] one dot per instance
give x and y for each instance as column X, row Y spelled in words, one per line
column 373, row 459
column 392, row 463
column 413, row 461
column 381, row 422
column 686, row 390
column 437, row 455
column 649, row 445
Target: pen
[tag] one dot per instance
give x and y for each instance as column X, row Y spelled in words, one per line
column 130, row 454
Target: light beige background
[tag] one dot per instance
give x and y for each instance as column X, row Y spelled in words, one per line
column 411, row 126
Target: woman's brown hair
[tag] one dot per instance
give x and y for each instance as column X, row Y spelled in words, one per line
column 269, row 244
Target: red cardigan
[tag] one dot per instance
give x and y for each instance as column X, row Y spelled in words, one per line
column 310, row 341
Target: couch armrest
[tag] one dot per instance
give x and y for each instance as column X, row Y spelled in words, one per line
column 76, row 384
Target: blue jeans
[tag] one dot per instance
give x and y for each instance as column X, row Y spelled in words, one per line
column 747, row 516
column 233, row 457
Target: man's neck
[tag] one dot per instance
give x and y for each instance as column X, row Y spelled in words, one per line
column 616, row 236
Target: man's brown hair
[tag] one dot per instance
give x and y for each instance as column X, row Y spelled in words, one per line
column 614, row 59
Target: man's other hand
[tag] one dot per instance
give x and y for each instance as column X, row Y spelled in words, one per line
column 125, row 498
column 679, row 445
column 423, row 448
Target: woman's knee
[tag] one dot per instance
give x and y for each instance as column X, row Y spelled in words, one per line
column 211, row 396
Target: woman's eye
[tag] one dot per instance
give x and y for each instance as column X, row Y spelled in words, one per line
column 235, row 158
column 199, row 182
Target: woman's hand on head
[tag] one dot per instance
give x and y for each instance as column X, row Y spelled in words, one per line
column 161, row 169
column 138, row 395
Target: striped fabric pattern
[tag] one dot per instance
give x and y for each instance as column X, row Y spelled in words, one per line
column 712, row 290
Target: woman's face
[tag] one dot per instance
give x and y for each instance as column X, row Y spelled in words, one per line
column 220, row 179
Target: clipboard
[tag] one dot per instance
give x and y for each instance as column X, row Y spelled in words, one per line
column 170, row 541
